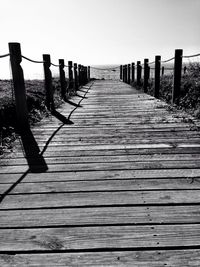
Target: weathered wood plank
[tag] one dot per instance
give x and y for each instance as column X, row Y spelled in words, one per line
column 103, row 185
column 102, row 175
column 100, row 216
column 175, row 258
column 67, row 238
column 99, row 159
column 106, row 166
column 100, row 199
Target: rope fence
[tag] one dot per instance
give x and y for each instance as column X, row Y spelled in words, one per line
column 132, row 73
column 196, row 55
column 114, row 68
column 33, row 61
column 78, row 75
column 55, row 65
column 5, row 55
column 168, row 60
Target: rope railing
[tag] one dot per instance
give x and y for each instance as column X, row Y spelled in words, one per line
column 55, row 65
column 5, row 55
column 152, row 62
column 168, row 60
column 33, row 61
column 175, row 73
column 67, row 66
column 78, row 75
column 117, row 67
column 196, row 55
column 38, row 61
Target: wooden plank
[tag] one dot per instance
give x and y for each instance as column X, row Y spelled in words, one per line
column 175, row 258
column 100, row 199
column 100, row 216
column 87, row 147
column 99, row 159
column 103, row 185
column 108, row 152
column 103, row 174
column 66, row 238
column 189, row 164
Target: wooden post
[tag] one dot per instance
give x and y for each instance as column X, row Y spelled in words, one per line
column 123, row 73
column 83, row 74
column 157, row 76
column 62, row 78
column 146, row 75
column 70, row 76
column 163, row 70
column 121, row 70
column 79, row 75
column 48, row 82
column 128, row 73
column 19, row 86
column 177, row 76
column 139, row 73
column 88, row 73
column 133, row 72
column 75, row 77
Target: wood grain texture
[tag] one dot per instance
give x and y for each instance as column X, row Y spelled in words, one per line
column 100, row 216
column 175, row 258
column 100, row 198
column 66, row 238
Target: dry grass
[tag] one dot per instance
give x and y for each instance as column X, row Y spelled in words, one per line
column 190, row 89
column 36, row 107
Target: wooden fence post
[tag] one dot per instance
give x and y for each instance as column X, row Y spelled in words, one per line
column 121, row 70
column 88, row 73
column 79, row 74
column 128, row 73
column 123, row 73
column 83, row 74
column 146, row 75
column 75, row 77
column 157, row 76
column 177, row 76
column 48, row 82
column 139, row 72
column 133, row 72
column 163, row 70
column 70, row 76
column 19, row 86
column 63, row 83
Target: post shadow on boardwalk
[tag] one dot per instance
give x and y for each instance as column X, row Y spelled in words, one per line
column 83, row 97
column 72, row 103
column 80, row 89
column 35, row 160
column 31, row 149
column 60, row 117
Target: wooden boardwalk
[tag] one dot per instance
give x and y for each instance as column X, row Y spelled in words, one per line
column 122, row 186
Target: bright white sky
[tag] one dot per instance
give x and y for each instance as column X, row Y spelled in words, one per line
column 101, row 31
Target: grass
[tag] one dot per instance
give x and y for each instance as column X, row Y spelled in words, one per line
column 37, row 110
column 190, row 89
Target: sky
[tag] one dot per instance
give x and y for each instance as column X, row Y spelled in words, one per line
column 94, row 32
